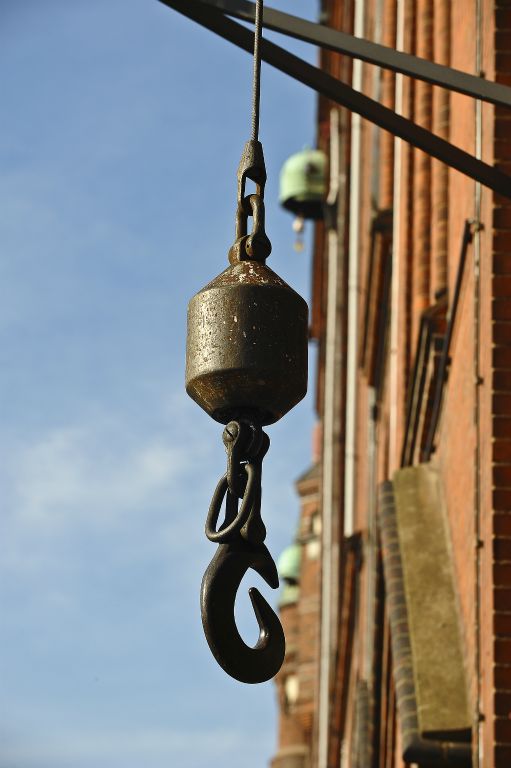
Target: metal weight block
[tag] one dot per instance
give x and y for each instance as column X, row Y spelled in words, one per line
column 246, row 348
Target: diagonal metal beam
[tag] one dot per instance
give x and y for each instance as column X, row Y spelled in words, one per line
column 342, row 94
column 373, row 53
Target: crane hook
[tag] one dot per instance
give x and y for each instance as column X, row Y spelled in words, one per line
column 240, row 547
column 218, row 594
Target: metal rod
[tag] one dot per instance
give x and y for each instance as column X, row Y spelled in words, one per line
column 342, row 94
column 373, row 53
column 416, row 392
column 443, row 365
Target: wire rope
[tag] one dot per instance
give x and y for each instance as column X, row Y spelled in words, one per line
column 256, row 82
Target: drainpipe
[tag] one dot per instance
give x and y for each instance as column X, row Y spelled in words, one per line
column 371, row 556
column 331, row 431
column 395, row 289
column 353, row 291
column 440, row 171
column 421, row 169
column 478, row 720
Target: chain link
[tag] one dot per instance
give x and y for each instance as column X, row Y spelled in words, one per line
column 246, row 446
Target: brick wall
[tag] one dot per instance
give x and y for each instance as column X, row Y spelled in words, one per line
column 472, row 445
column 500, row 548
column 297, row 680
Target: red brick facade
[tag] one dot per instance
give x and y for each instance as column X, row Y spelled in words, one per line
column 433, row 284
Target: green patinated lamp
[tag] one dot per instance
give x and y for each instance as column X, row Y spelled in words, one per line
column 303, row 188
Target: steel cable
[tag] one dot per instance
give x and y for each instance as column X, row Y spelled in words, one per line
column 256, row 82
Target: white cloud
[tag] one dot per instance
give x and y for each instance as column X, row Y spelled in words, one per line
column 92, row 473
column 106, row 480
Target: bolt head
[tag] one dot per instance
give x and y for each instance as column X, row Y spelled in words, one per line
column 231, row 431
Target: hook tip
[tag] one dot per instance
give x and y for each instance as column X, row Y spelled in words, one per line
column 218, row 593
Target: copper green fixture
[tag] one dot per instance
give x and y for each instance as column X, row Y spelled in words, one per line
column 288, row 564
column 303, row 183
column 288, row 567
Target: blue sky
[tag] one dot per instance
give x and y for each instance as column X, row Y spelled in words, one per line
column 122, row 126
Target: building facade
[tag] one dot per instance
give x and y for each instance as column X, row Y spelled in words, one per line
column 398, row 604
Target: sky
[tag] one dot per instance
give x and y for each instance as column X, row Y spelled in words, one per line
column 121, row 130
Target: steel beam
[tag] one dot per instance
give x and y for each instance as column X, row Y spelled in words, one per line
column 342, row 94
column 358, row 48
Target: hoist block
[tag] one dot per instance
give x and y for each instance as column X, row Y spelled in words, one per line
column 247, row 345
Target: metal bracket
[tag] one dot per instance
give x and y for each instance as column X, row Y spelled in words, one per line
column 372, row 53
column 213, row 18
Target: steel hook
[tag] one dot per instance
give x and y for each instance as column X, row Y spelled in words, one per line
column 218, row 594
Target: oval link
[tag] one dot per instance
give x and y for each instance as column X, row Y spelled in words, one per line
column 233, row 522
